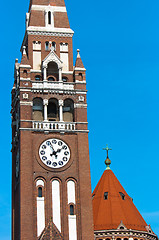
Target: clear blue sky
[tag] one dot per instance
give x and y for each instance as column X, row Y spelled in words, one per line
column 119, row 43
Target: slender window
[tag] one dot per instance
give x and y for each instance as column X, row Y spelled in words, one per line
column 122, row 195
column 49, row 17
column 105, row 195
column 71, row 210
column 40, row 192
column 47, row 46
column 54, row 46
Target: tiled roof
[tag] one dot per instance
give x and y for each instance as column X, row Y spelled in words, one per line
column 109, row 213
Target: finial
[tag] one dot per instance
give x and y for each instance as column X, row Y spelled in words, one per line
column 78, row 53
column 24, row 50
column 107, row 161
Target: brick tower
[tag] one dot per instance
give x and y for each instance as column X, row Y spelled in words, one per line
column 51, row 187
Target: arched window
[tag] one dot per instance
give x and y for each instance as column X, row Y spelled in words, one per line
column 68, row 110
column 40, row 192
column 37, row 78
column 81, row 76
column 25, row 73
column 47, row 46
column 49, row 17
column 38, row 109
column 71, row 209
column 52, row 110
column 54, row 46
column 52, row 70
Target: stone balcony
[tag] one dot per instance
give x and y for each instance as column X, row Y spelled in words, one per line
column 51, row 126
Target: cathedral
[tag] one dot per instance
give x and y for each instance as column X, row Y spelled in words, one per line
column 51, row 184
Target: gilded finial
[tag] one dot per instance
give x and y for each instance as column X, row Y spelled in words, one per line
column 107, row 161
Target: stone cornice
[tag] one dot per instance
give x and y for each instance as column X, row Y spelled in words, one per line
column 46, row 31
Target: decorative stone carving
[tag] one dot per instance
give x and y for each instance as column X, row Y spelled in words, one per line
column 81, row 99
column 25, row 96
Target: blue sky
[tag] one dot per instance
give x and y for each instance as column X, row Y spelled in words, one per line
column 119, row 43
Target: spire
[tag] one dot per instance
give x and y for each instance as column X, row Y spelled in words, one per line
column 107, row 161
column 111, row 205
column 79, row 63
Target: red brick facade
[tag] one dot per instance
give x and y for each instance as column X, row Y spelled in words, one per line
column 28, row 133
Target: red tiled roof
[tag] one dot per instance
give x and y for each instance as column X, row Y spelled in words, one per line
column 109, row 213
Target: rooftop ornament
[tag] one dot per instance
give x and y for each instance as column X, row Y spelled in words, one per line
column 107, row 161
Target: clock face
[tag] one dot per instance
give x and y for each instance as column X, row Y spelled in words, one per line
column 54, row 153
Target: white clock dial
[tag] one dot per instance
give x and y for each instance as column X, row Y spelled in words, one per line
column 54, row 153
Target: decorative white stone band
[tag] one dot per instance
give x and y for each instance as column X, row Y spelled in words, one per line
column 56, row 204
column 49, row 85
column 40, row 215
column 52, row 8
column 72, row 227
column 47, row 31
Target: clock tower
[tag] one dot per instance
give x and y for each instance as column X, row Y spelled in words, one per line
column 51, row 186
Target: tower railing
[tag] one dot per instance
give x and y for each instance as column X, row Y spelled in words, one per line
column 53, row 126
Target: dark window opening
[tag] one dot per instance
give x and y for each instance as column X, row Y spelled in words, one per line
column 105, row 195
column 53, row 71
column 54, row 46
column 81, row 76
column 52, row 110
column 40, row 192
column 47, row 46
column 38, row 109
column 51, row 79
column 64, row 79
column 121, row 227
column 68, row 110
column 49, row 17
column 122, row 195
column 71, row 210
column 37, row 77
column 93, row 196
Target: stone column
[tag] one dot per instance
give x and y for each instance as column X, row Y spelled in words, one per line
column 45, row 103
column 45, row 77
column 61, row 110
column 60, row 74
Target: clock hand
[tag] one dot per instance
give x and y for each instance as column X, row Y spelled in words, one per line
column 53, row 151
